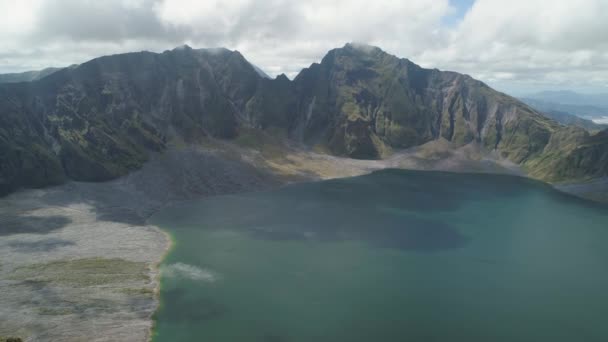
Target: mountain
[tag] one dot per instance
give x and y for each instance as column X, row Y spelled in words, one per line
column 101, row 119
column 581, row 157
column 27, row 76
column 362, row 102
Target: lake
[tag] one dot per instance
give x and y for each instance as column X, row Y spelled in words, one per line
column 391, row 256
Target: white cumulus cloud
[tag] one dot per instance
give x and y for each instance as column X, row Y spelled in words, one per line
column 516, row 45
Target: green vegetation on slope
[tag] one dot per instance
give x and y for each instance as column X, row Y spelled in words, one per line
column 10, row 339
column 101, row 119
column 585, row 159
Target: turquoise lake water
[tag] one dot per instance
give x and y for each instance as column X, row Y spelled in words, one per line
column 391, row 256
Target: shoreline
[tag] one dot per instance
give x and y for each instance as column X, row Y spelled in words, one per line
column 62, row 231
column 156, row 277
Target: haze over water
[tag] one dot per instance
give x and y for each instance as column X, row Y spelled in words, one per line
column 392, row 256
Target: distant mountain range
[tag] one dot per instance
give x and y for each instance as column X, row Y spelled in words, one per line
column 562, row 104
column 575, row 115
column 101, row 119
column 567, row 97
column 27, row 76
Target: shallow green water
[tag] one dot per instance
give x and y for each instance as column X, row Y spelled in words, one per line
column 393, row 256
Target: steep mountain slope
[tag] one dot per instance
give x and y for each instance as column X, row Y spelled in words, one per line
column 99, row 120
column 585, row 158
column 361, row 101
column 102, row 118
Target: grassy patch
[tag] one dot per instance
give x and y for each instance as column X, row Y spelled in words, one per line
column 83, row 272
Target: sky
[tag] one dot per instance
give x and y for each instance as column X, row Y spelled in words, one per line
column 516, row 46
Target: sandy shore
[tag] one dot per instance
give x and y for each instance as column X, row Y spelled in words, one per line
column 70, row 275
column 79, row 262
column 156, row 277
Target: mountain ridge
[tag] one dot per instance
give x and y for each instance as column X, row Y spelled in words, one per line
column 27, row 76
column 101, row 119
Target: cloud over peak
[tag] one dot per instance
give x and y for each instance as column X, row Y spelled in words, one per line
column 517, row 44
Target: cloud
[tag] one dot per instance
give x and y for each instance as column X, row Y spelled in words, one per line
column 18, row 18
column 539, row 43
column 181, row 270
column 108, row 20
column 514, row 45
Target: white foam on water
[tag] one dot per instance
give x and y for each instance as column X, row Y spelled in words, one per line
column 187, row 271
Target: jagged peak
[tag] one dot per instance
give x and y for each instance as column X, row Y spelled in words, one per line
column 182, row 47
column 281, row 77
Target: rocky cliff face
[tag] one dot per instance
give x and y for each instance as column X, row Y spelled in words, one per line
column 100, row 120
column 587, row 158
column 361, row 102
